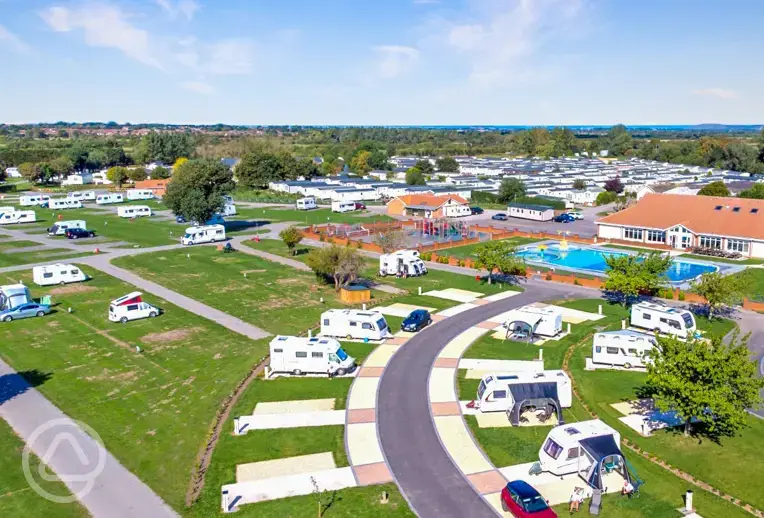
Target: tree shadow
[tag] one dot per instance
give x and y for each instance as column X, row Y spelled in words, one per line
column 503, row 278
column 12, row 385
column 241, row 225
column 334, row 499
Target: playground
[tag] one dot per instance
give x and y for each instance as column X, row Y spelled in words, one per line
column 420, row 232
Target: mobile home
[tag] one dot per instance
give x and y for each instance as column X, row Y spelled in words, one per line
column 352, row 323
column 203, row 234
column 57, row 274
column 343, row 206
column 63, row 203
column 663, row 319
column 82, row 195
column 133, row 211
column 60, row 227
column 529, row 211
column 514, row 392
column 306, row 204
column 18, row 216
column 542, row 321
column 115, row 197
column 131, row 307
column 13, row 295
column 140, row 194
column 624, row 348
column 33, row 199
column 300, row 355
column 405, row 262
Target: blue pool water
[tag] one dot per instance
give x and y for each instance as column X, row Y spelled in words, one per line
column 593, row 260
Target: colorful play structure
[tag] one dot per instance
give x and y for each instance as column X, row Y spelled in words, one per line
column 442, row 230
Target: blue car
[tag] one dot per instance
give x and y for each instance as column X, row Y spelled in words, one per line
column 564, row 218
column 30, row 309
column 418, row 319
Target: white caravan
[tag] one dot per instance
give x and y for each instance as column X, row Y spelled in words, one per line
column 57, row 274
column 82, row 195
column 663, row 319
column 306, row 204
column 203, row 234
column 18, row 216
column 299, row 355
column 14, row 295
column 64, row 203
column 105, row 199
column 353, row 323
column 500, row 392
column 229, row 207
column 133, row 211
column 131, row 307
column 562, row 452
column 343, row 206
column 624, row 348
column 33, row 199
column 140, row 194
column 543, row 321
column 3, row 210
column 60, row 227
column 402, row 261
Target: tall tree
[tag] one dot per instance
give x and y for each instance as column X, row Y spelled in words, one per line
column 165, row 147
column 714, row 189
column 633, row 275
column 291, row 236
column 389, row 240
column 415, row 176
column 61, row 165
column 426, row 167
column 618, row 140
column 447, row 164
column 197, row 188
column 258, row 168
column 755, row 192
column 379, row 160
column 499, row 256
column 160, row 173
column 117, row 175
column 719, row 290
column 342, row 265
column 360, row 162
column 511, row 189
column 579, row 184
column 614, row 185
column 137, row 174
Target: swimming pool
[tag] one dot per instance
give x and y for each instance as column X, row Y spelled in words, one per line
column 592, row 260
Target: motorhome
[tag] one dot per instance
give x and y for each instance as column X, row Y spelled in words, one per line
column 57, row 274
column 402, row 262
column 203, row 234
column 663, row 319
column 300, row 355
column 13, row 295
column 105, row 199
column 133, row 211
column 229, row 207
column 140, row 194
column 82, row 195
column 306, row 204
column 131, row 307
column 625, row 348
column 353, row 323
column 59, row 228
column 18, row 216
column 33, row 200
column 343, row 206
column 63, row 203
column 542, row 321
column 505, row 392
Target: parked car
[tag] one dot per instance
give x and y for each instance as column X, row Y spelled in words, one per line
column 180, row 219
column 499, row 217
column 564, row 218
column 360, row 206
column 575, row 215
column 416, row 320
column 523, row 501
column 30, row 309
column 77, row 233
column 476, row 211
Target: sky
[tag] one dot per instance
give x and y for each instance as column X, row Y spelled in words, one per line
column 390, row 62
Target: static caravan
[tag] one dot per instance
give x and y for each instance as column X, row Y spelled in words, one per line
column 33, row 199
column 63, row 203
column 529, row 211
column 18, row 216
column 300, row 355
column 229, row 207
column 57, row 274
column 542, row 321
column 343, row 206
column 306, row 204
column 352, row 323
column 624, row 348
column 60, row 227
column 105, row 199
column 131, row 307
column 663, row 319
column 203, row 234
column 512, row 393
column 140, row 194
column 82, row 195
column 14, row 295
column 402, row 261
column 133, row 211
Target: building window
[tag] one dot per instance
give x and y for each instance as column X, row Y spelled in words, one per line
column 634, row 234
column 656, row 236
column 711, row 242
column 737, row 245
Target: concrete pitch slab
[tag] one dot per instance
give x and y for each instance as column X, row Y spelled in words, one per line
column 493, row 420
column 456, row 347
column 576, row 314
column 502, row 365
column 480, row 302
column 283, row 467
column 362, row 444
column 400, row 310
column 450, row 408
column 501, row 296
column 494, row 499
column 454, row 294
column 488, row 482
column 380, row 356
column 461, row 308
column 501, row 317
column 467, row 410
column 442, row 385
column 458, row 442
column 297, row 406
column 446, row 363
column 370, row 372
column 372, row 474
column 365, row 415
column 404, row 334
column 363, row 393
column 290, row 420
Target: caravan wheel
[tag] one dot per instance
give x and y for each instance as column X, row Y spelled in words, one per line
column 7, row 318
column 341, row 372
column 152, row 314
column 123, row 320
column 297, row 372
column 627, row 365
column 62, row 283
column 349, row 337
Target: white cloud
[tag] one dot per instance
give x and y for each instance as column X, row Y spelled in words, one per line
column 7, row 38
column 199, row 87
column 185, row 8
column 721, row 93
column 394, row 60
column 229, row 57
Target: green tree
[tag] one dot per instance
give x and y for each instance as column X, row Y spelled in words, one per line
column 137, row 174
column 562, row 141
column 32, row 172
column 708, row 384
column 579, row 184
column 160, row 173
column 258, row 168
column 511, row 189
column 499, row 256
column 415, row 176
column 447, row 164
column 719, row 290
column 291, row 236
column 605, row 197
column 117, row 175
column 341, row 265
column 165, row 147
column 360, row 162
column 633, row 275
column 61, row 165
column 714, row 189
column 389, row 240
column 306, row 168
column 197, row 188
column 426, row 167
column 756, row 192
column 618, row 140
column 379, row 160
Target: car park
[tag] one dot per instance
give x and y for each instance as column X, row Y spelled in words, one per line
column 417, row 319
column 475, row 211
column 499, row 217
column 522, row 500
column 78, row 233
column 564, row 218
column 27, row 310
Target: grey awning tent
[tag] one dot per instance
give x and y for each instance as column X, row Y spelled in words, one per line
column 601, row 449
column 539, row 395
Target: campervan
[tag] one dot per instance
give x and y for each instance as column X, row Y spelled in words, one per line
column 18, row 216
column 115, row 197
column 353, row 323
column 133, row 211
column 14, row 295
column 501, row 392
column 131, row 307
column 306, row 204
column 299, row 355
column 140, row 194
column 546, row 321
column 60, row 227
column 57, row 274
column 33, row 199
column 229, row 207
column 625, row 348
column 203, row 234
column 402, row 262
column 63, row 203
column 663, row 319
column 82, row 195
column 343, row 206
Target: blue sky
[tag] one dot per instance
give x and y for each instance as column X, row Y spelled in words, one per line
column 382, row 62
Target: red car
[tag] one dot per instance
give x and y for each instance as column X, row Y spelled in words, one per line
column 521, row 500
column 360, row 206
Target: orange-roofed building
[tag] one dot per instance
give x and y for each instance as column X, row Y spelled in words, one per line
column 429, row 206
column 158, row 187
column 684, row 222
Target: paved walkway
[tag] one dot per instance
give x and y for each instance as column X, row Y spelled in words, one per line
column 237, row 243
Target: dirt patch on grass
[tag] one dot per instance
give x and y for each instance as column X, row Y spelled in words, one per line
column 254, row 271
column 170, row 336
column 53, row 323
column 290, row 281
column 76, row 288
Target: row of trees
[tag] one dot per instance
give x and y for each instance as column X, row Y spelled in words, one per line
column 719, row 188
column 260, row 167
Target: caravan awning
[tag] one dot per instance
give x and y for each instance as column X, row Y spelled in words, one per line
column 521, row 316
column 534, row 394
column 601, row 448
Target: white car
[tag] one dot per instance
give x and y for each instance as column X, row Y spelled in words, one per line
column 576, row 215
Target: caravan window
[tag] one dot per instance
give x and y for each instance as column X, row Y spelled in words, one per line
column 326, row 321
column 316, row 355
column 47, row 275
column 573, row 453
column 500, row 394
column 278, row 351
column 381, row 324
column 633, row 352
column 552, row 449
column 646, row 316
column 300, row 354
column 342, row 355
column 674, row 324
column 612, row 350
column 353, row 324
column 687, row 319
column 132, row 307
column 598, row 349
column 366, row 326
column 481, row 389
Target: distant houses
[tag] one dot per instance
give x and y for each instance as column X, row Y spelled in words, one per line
column 429, row 206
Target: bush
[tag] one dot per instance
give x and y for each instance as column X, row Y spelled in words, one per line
column 321, row 238
column 576, row 283
column 681, row 295
column 8, row 187
column 461, row 262
column 443, row 259
column 548, row 276
column 426, row 256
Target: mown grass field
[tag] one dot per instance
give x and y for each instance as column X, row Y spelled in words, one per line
column 19, row 257
column 309, row 217
column 468, row 251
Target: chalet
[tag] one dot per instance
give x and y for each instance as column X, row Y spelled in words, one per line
column 428, row 206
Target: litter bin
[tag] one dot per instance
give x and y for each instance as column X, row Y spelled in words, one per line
column 45, row 300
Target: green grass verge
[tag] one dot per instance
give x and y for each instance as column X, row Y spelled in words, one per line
column 468, row 251
column 721, row 259
column 308, row 217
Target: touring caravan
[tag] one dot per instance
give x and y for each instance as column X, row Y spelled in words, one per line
column 33, row 199
column 229, row 207
column 63, row 203
column 57, row 274
column 133, row 211
column 82, row 195
column 353, row 323
column 512, row 393
column 405, row 262
column 140, row 194
column 7, row 209
column 14, row 295
column 544, row 321
column 60, row 227
column 663, row 319
column 300, row 355
column 105, row 199
column 625, row 348
column 18, row 216
column 131, row 307
column 306, row 204
column 343, row 206
column 203, row 234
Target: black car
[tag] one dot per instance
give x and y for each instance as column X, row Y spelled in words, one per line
column 78, row 233
column 499, row 217
column 416, row 320
column 476, row 210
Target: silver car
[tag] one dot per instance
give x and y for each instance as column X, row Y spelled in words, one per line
column 30, row 309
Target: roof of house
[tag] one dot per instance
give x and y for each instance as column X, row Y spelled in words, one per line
column 722, row 216
column 152, row 184
column 429, row 200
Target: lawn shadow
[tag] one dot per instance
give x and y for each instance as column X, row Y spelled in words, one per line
column 241, row 225
column 12, row 385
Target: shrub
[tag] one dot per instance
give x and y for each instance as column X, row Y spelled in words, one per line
column 443, row 259
column 681, row 295
column 461, row 262
column 426, row 256
column 576, row 283
column 548, row 276
column 321, row 237
column 359, row 245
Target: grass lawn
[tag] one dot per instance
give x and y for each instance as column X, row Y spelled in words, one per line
column 7, row 245
column 468, row 251
column 754, row 280
column 721, row 259
column 308, row 217
column 154, row 408
column 21, row 257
